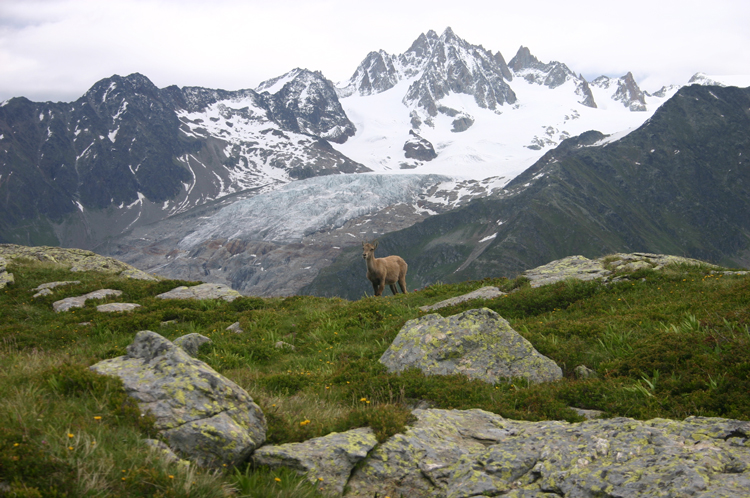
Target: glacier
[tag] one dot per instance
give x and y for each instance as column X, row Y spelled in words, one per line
column 304, row 207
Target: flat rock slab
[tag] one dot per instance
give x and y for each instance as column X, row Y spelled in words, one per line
column 115, row 307
column 202, row 291
column 52, row 285
column 488, row 292
column 326, row 461
column 477, row 343
column 80, row 301
column 473, row 453
column 582, row 268
column 203, row 416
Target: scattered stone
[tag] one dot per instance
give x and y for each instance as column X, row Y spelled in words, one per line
column 52, row 285
column 472, row 453
column 729, row 272
column 42, row 293
column 330, row 458
column 584, row 372
column 587, row 414
column 477, row 343
column 84, row 324
column 115, row 307
column 235, row 327
column 284, row 345
column 488, row 292
column 168, row 322
column 203, row 416
column 191, row 343
column 80, row 301
column 202, row 291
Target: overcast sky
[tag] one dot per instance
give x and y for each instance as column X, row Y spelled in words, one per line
column 57, row 49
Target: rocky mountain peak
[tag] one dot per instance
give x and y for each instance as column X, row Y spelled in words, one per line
column 307, row 102
column 523, row 60
column 626, row 91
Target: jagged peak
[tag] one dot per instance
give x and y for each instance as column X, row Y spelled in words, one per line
column 523, row 59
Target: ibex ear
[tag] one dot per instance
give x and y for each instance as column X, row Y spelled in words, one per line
column 376, row 245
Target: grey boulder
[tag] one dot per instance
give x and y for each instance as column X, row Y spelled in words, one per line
column 477, row 343
column 191, row 343
column 326, row 461
column 488, row 292
column 202, row 291
column 80, row 301
column 203, row 416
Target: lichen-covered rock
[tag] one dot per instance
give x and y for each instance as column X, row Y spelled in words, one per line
column 487, row 292
column 80, row 301
column 202, row 291
column 75, row 259
column 450, row 453
column 477, row 343
column 203, row 416
column 117, row 307
column 5, row 277
column 191, row 343
column 582, row 268
column 326, row 461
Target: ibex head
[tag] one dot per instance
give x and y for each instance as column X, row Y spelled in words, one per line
column 368, row 249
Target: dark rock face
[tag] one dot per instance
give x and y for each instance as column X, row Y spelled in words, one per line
column 462, row 123
column 419, row 148
column 308, row 103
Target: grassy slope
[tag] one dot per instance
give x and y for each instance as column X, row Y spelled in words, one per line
column 668, row 344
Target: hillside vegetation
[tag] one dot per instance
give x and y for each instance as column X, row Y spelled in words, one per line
column 671, row 344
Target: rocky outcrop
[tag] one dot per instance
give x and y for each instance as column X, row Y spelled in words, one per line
column 80, row 301
column 202, row 291
column 477, row 343
column 606, row 268
column 450, row 453
column 419, row 148
column 487, row 292
column 75, row 260
column 326, row 461
column 203, row 416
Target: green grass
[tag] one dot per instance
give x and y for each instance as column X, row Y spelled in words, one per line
column 671, row 344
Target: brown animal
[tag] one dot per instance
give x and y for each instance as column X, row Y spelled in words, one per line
column 382, row 271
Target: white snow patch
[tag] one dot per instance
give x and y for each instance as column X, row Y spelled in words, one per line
column 113, row 135
column 489, row 237
column 80, row 206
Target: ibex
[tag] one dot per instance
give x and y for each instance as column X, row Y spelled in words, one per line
column 382, row 271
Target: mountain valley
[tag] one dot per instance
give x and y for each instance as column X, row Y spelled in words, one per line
column 271, row 189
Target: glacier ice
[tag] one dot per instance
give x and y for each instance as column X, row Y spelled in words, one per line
column 307, row 206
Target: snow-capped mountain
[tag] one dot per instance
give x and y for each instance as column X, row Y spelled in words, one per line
column 481, row 116
column 128, row 154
